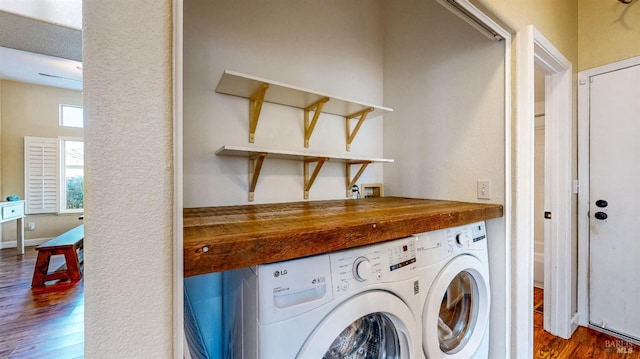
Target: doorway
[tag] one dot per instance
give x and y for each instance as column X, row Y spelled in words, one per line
column 536, row 51
column 539, row 183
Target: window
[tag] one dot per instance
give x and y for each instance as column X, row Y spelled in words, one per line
column 54, row 175
column 71, row 175
column 71, row 116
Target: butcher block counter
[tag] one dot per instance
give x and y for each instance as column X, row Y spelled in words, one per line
column 229, row 237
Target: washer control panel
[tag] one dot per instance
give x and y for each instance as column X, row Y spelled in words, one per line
column 402, row 255
column 378, row 263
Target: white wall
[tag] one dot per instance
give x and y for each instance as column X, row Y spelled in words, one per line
column 129, row 170
column 333, row 47
column 446, row 82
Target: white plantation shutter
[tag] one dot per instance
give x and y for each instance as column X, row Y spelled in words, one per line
column 41, row 174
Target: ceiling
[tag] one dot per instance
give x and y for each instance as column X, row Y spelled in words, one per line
column 40, row 69
column 30, row 47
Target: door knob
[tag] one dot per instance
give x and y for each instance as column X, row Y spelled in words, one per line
column 601, row 203
column 601, row 215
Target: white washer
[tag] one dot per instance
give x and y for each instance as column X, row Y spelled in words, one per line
column 357, row 303
column 454, row 275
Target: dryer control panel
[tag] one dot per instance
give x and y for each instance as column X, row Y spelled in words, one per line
column 379, row 263
column 441, row 244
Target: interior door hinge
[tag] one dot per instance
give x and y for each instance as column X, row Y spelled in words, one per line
column 576, row 186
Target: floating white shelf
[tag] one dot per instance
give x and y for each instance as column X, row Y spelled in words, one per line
column 256, row 158
column 259, row 90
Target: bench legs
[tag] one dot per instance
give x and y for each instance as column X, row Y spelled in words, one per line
column 41, row 272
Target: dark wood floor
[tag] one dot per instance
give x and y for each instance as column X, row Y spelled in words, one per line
column 47, row 322
column 584, row 344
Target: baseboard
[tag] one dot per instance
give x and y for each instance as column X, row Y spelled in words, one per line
column 575, row 322
column 27, row 243
column 538, row 285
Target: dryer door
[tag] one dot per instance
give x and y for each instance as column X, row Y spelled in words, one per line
column 373, row 324
column 456, row 313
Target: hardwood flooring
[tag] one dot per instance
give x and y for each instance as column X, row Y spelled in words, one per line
column 45, row 322
column 584, row 344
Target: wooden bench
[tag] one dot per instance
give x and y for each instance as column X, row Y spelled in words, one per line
column 67, row 244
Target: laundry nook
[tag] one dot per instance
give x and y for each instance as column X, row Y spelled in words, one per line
column 322, row 144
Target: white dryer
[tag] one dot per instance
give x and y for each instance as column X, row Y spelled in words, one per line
column 357, row 303
column 454, row 272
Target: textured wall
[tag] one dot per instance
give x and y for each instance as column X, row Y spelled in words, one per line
column 609, row 31
column 128, row 247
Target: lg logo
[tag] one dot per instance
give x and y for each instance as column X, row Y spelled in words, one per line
column 279, row 273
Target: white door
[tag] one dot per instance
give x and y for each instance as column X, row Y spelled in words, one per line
column 614, row 252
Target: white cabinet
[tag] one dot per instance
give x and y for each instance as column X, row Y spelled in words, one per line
column 10, row 211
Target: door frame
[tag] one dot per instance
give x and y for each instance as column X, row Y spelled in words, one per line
column 533, row 48
column 584, row 93
column 180, row 349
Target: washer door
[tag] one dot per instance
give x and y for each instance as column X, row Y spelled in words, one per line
column 456, row 313
column 371, row 325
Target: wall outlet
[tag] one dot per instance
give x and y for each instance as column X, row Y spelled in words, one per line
column 31, row 226
column 484, row 189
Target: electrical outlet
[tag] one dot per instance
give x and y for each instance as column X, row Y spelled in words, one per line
column 484, row 189
column 31, row 226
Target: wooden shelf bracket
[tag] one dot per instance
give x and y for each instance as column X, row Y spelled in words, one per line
column 352, row 181
column 351, row 135
column 310, row 125
column 255, row 165
column 255, row 106
column 309, row 179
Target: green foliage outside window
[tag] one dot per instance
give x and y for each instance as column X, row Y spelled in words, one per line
column 75, row 193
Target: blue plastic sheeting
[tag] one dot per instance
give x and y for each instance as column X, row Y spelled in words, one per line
column 205, row 294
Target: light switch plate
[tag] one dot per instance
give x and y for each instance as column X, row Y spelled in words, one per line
column 484, row 189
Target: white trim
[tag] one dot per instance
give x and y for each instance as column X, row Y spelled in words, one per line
column 508, row 201
column 558, row 118
column 27, row 243
column 179, row 339
column 534, row 48
column 583, row 178
column 62, row 193
column 522, row 263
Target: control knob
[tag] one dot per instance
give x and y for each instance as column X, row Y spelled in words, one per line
column 459, row 239
column 361, row 269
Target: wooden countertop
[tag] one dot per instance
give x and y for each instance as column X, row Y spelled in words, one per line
column 229, row 237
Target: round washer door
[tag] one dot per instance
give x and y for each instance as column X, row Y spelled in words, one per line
column 455, row 317
column 373, row 324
